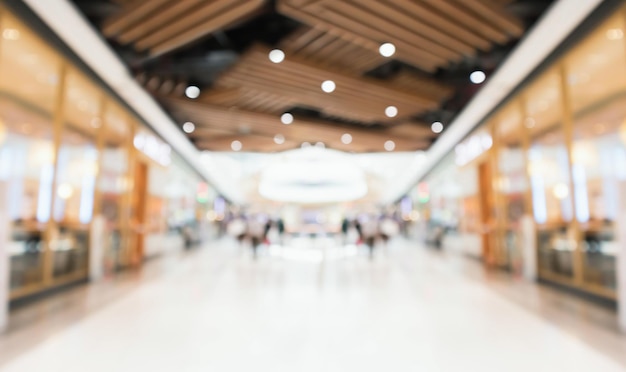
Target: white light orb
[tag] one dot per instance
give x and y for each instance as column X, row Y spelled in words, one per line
column 236, row 145
column 391, row 111
column 320, row 145
column 305, row 145
column 560, row 191
column 65, row 191
column 390, row 145
column 437, row 127
column 328, row 86
column 346, row 138
column 477, row 77
column 614, row 34
column 387, row 50
column 277, row 56
column 286, row 118
column 189, row 127
column 192, row 92
column 279, row 139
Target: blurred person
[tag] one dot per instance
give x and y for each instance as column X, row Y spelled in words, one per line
column 368, row 230
column 237, row 228
column 257, row 231
column 388, row 228
column 280, row 225
column 345, row 227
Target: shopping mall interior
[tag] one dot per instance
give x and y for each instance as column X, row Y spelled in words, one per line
column 312, row 185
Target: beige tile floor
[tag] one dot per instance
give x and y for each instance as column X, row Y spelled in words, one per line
column 312, row 306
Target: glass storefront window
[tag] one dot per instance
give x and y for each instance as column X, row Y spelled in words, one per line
column 77, row 169
column 29, row 73
column 113, row 180
column 596, row 94
column 511, row 183
column 549, row 175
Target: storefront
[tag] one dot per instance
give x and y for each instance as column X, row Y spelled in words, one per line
column 69, row 154
column 555, row 152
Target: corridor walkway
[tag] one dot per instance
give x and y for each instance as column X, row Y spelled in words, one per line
column 312, row 307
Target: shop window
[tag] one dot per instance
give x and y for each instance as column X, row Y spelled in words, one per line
column 596, row 78
column 77, row 169
column 29, row 73
column 511, row 183
column 548, row 169
column 114, row 181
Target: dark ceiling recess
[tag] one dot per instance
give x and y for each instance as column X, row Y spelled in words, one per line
column 169, row 44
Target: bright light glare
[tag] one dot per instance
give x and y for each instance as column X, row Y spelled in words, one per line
column 277, row 56
column 286, row 118
column 189, row 127
column 390, row 145
column 236, row 145
column 437, row 127
column 192, row 92
column 65, row 191
column 615, row 34
column 387, row 50
column 328, row 86
column 305, row 145
column 477, row 77
column 391, row 111
column 11, row 34
column 320, row 145
column 279, row 139
column 346, row 138
column 560, row 191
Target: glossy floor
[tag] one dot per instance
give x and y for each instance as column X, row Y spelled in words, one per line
column 312, row 306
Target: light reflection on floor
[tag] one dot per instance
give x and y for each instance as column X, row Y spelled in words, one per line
column 311, row 305
column 317, row 249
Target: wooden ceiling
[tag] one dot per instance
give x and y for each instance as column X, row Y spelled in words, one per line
column 160, row 26
column 218, row 126
column 428, row 33
column 333, row 40
column 355, row 98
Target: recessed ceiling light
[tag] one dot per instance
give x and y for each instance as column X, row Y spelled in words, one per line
column 390, row 145
column 391, row 111
column 189, row 127
column 286, row 118
column 387, row 50
column 192, row 92
column 277, row 56
column 477, row 77
column 346, row 138
column 328, row 86
column 279, row 139
column 437, row 127
column 236, row 145
column 615, row 34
